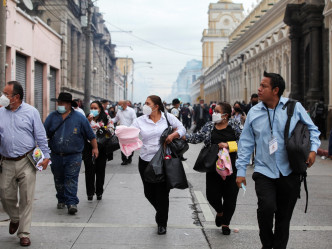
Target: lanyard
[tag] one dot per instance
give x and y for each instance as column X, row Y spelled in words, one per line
column 274, row 113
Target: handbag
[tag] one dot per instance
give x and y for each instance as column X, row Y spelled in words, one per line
column 113, row 144
column 207, row 158
column 175, row 174
column 154, row 171
column 178, row 146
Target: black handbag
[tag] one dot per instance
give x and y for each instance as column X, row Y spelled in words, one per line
column 154, row 171
column 207, row 158
column 175, row 174
column 113, row 143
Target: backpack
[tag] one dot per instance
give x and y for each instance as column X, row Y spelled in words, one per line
column 320, row 109
column 297, row 146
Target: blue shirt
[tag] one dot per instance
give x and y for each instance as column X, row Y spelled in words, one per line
column 70, row 137
column 21, row 130
column 257, row 132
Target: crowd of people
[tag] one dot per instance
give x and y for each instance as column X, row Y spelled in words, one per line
column 69, row 135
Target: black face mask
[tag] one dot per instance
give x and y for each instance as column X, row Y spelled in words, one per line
column 254, row 103
column 237, row 109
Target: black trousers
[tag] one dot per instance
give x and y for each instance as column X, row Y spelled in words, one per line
column 276, row 200
column 199, row 124
column 94, row 173
column 125, row 159
column 157, row 194
column 222, row 194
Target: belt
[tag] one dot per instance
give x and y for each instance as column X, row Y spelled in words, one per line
column 16, row 158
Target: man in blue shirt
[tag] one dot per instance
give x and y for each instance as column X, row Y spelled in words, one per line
column 20, row 131
column 277, row 188
column 67, row 131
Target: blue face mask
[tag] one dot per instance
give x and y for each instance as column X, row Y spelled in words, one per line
column 95, row 113
column 120, row 108
column 61, row 109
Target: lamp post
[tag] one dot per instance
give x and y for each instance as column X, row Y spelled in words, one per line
column 132, row 82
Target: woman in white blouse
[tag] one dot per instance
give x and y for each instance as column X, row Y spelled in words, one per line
column 151, row 125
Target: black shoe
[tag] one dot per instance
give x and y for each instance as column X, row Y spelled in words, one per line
column 183, row 159
column 99, row 197
column 124, row 163
column 90, row 197
column 72, row 209
column 218, row 221
column 129, row 161
column 161, row 230
column 226, row 231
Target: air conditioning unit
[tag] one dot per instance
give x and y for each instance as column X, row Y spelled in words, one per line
column 25, row 5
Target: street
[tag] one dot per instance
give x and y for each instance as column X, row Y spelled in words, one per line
column 125, row 219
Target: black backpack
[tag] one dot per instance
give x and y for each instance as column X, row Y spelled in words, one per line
column 297, row 146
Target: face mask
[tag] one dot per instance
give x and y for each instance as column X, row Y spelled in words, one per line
column 61, row 109
column 94, row 113
column 120, row 108
column 147, row 110
column 4, row 101
column 254, row 103
column 108, row 106
column 237, row 109
column 217, row 117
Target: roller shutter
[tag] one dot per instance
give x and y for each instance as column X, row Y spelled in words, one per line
column 52, row 89
column 39, row 87
column 21, row 71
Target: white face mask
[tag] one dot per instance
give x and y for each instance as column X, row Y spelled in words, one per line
column 4, row 101
column 147, row 110
column 217, row 117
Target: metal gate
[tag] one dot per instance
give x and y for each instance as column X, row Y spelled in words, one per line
column 21, row 71
column 52, row 89
column 39, row 87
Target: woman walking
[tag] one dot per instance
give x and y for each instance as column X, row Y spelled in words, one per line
column 101, row 125
column 151, row 125
column 221, row 194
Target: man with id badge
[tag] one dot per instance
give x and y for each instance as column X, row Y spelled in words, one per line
column 277, row 187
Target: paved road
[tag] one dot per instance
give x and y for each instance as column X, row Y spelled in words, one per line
column 125, row 219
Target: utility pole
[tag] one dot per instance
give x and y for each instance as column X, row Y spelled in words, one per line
column 3, row 17
column 87, row 85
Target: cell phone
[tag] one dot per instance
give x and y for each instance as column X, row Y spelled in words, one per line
column 93, row 159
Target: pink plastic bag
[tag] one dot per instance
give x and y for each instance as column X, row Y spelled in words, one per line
column 224, row 164
column 128, row 139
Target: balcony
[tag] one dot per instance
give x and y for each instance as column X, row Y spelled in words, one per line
column 216, row 32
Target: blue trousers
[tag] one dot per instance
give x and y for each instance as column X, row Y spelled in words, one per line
column 66, row 170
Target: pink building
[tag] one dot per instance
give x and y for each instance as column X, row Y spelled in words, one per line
column 33, row 58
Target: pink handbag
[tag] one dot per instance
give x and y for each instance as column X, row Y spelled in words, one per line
column 224, row 164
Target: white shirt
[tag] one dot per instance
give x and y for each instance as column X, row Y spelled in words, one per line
column 151, row 132
column 79, row 110
column 126, row 117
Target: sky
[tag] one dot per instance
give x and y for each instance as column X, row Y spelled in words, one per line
column 165, row 33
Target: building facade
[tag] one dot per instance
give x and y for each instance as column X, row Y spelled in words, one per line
column 33, row 52
column 224, row 16
column 69, row 18
column 125, row 66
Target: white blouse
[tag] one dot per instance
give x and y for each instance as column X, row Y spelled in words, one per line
column 151, row 132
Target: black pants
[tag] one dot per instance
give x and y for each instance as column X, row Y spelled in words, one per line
column 199, row 124
column 94, row 173
column 125, row 159
column 222, row 194
column 276, row 199
column 157, row 194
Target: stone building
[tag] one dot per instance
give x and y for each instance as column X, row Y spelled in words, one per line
column 69, row 19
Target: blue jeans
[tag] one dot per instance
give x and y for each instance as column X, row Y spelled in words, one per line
column 66, row 170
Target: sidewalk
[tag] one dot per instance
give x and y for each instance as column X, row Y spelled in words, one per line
column 122, row 219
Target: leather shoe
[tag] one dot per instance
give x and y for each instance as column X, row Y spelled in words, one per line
column 13, row 227
column 161, row 230
column 99, row 197
column 25, row 241
column 219, row 220
column 72, row 209
column 124, row 163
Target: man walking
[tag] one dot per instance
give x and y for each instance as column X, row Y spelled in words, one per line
column 277, row 188
column 126, row 116
column 201, row 115
column 67, row 131
column 20, row 130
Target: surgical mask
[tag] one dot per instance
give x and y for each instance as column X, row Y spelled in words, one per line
column 120, row 108
column 61, row 109
column 94, row 113
column 147, row 110
column 217, row 117
column 4, row 101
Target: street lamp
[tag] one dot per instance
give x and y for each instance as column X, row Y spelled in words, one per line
column 132, row 82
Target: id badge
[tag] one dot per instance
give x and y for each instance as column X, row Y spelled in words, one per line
column 273, row 145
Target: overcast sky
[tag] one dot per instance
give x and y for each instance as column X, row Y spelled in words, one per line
column 166, row 33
